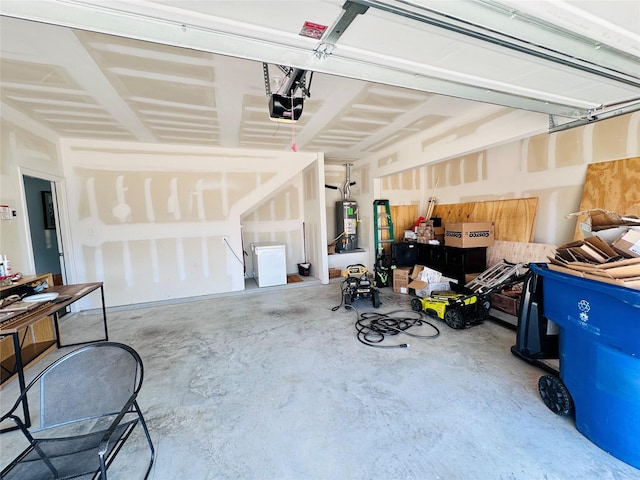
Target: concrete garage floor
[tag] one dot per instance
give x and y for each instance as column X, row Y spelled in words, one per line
column 271, row 384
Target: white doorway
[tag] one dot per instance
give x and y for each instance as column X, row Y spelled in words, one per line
column 44, row 226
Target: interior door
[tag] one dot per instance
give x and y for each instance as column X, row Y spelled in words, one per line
column 42, row 211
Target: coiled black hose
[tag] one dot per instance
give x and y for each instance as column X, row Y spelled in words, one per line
column 373, row 327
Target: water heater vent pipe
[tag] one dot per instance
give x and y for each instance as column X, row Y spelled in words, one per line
column 346, row 190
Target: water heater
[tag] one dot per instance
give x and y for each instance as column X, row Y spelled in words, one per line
column 347, row 224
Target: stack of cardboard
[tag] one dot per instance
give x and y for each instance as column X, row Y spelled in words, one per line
column 425, row 231
column 591, row 250
column 610, row 251
column 605, row 224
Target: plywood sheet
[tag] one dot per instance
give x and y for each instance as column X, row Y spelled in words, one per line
column 612, row 186
column 517, row 252
column 514, row 219
column 403, row 217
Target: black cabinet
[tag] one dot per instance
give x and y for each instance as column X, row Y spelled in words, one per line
column 453, row 262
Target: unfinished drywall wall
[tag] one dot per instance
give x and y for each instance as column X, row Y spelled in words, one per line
column 277, row 220
column 551, row 167
column 315, row 225
column 22, row 152
column 164, row 222
column 290, row 217
column 466, row 133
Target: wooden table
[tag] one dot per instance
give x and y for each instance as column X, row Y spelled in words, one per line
column 38, row 337
column 71, row 294
column 19, row 324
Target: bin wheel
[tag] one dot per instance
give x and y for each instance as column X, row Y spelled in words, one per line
column 555, row 395
column 454, row 319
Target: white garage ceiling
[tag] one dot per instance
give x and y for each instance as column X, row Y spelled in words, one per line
column 192, row 71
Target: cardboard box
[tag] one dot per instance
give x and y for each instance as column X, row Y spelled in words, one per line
column 433, row 287
column 469, row 234
column 604, row 224
column 425, row 280
column 420, row 273
column 401, row 279
column 334, row 273
column 628, row 244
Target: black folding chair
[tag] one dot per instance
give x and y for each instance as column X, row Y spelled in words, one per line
column 87, row 411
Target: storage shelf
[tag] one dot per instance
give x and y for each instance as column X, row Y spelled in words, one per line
column 29, row 354
column 453, row 262
column 37, row 338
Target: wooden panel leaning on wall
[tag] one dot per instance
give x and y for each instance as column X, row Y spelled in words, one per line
column 517, row 252
column 514, row 219
column 404, row 217
column 612, row 186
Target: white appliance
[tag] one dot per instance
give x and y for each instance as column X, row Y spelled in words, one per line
column 269, row 264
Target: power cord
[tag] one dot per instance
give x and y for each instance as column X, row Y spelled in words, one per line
column 373, row 327
column 234, row 253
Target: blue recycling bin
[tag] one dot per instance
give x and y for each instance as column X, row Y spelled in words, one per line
column 599, row 346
